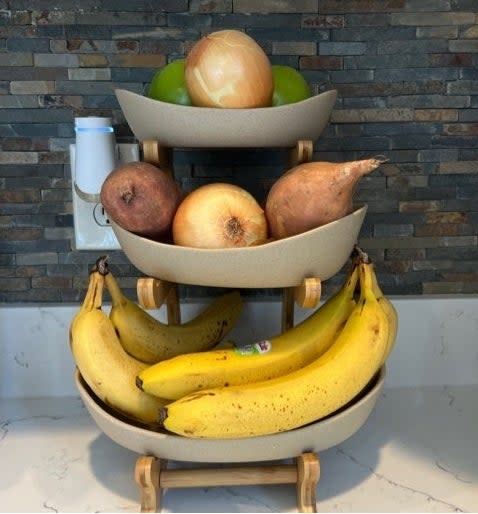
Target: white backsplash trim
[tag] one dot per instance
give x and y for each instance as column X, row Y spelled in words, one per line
column 437, row 343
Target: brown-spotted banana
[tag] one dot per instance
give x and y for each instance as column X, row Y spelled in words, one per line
column 102, row 362
column 359, row 255
column 390, row 312
column 295, row 399
column 264, row 360
column 149, row 340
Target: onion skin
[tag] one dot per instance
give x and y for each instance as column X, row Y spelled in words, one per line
column 313, row 194
column 217, row 216
column 228, row 69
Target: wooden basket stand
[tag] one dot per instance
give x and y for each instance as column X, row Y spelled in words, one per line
column 151, row 473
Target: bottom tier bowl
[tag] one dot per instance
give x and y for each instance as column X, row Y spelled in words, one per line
column 314, row 437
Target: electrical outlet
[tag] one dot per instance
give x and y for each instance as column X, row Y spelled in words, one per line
column 93, row 229
column 100, row 216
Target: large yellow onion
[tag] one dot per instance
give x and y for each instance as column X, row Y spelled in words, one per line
column 228, row 69
column 219, row 215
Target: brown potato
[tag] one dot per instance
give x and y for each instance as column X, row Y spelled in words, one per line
column 141, row 198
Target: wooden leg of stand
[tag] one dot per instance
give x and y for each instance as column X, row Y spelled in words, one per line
column 146, row 475
column 172, row 306
column 308, row 474
column 152, row 479
column 306, row 295
column 287, row 308
column 158, row 155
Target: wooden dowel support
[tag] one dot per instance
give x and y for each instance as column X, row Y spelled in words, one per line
column 302, row 152
column 152, row 477
column 152, row 293
column 217, row 477
column 307, row 295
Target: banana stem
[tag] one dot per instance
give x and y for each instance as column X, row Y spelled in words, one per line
column 98, row 292
column 101, row 265
column 359, row 255
column 117, row 296
column 163, row 414
column 94, row 293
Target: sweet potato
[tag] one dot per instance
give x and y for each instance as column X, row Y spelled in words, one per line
column 313, row 194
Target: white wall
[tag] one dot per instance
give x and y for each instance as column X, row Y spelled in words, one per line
column 437, row 343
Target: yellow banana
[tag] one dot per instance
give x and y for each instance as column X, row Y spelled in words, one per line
column 282, row 354
column 358, row 255
column 295, row 399
column 108, row 370
column 390, row 312
column 148, row 340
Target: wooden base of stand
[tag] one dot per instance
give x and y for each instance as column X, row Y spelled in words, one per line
column 153, row 477
column 151, row 473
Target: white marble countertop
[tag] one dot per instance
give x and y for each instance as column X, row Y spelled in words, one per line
column 418, row 452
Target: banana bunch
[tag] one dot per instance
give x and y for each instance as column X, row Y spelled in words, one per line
column 264, row 360
column 111, row 351
column 105, row 366
column 149, row 340
column 391, row 314
column 335, row 373
column 357, row 257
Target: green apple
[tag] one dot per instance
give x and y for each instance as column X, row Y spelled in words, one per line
column 168, row 84
column 289, row 86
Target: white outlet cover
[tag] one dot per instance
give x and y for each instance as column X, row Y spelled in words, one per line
column 92, row 229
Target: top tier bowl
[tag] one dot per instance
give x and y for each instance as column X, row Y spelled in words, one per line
column 202, row 127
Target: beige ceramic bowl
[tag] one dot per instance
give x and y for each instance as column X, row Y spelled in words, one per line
column 319, row 253
column 314, row 437
column 195, row 127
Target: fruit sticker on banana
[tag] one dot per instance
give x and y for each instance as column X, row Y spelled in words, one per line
column 259, row 348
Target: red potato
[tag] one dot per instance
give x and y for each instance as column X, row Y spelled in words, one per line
column 141, row 198
column 313, row 194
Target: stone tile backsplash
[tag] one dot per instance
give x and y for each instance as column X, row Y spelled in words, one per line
column 405, row 71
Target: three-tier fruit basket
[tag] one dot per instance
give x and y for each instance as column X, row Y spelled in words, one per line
column 298, row 265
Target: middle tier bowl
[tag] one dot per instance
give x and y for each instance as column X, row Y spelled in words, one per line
column 320, row 253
